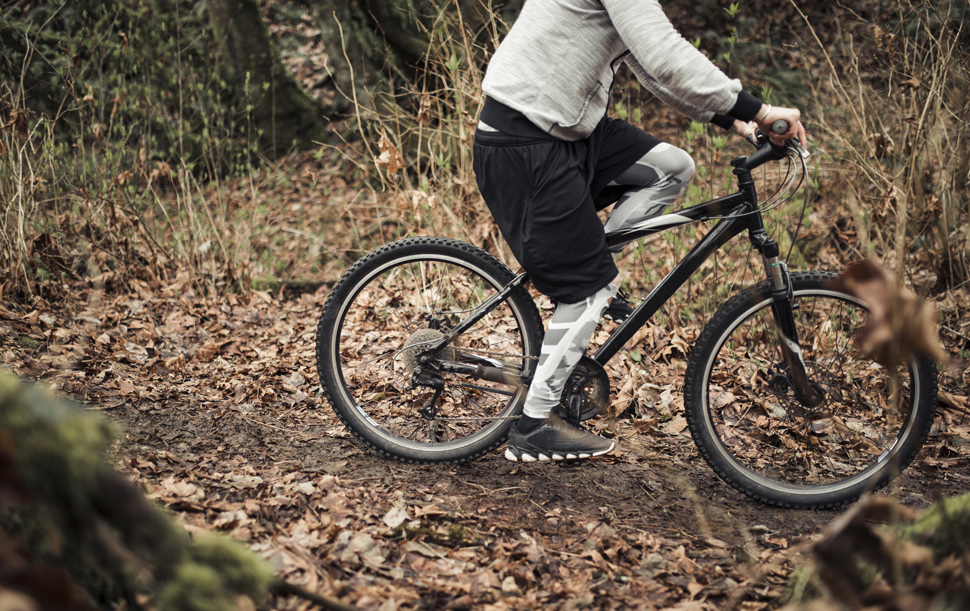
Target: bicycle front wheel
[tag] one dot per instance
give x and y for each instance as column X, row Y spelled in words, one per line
column 751, row 429
column 389, row 389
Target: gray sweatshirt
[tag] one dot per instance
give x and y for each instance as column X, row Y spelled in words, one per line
column 557, row 64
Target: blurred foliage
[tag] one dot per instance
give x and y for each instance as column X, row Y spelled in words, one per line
column 60, row 499
column 916, row 562
column 139, row 74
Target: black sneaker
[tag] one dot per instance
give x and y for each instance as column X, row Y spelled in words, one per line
column 619, row 309
column 555, row 440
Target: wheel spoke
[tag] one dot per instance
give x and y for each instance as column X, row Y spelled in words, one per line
column 377, row 368
column 751, row 427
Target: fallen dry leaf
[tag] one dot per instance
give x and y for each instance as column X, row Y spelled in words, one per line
column 390, row 159
column 900, row 324
column 125, row 387
column 396, row 516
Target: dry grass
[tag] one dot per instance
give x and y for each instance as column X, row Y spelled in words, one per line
column 894, row 101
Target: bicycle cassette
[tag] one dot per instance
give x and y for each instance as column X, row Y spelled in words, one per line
column 418, row 344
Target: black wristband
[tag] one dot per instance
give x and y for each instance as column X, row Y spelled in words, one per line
column 723, row 121
column 746, row 108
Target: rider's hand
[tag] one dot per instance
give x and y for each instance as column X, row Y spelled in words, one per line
column 795, row 127
column 745, row 129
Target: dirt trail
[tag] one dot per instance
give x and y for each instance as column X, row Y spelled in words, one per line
column 221, row 420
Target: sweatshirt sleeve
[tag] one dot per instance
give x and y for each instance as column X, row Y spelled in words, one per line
column 723, row 121
column 672, row 68
column 665, row 95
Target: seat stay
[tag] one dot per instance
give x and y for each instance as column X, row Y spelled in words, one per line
column 479, row 312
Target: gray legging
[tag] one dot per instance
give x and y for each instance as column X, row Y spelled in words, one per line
column 655, row 181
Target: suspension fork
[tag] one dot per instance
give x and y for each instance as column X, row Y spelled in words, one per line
column 781, row 308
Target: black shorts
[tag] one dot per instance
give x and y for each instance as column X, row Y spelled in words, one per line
column 544, row 195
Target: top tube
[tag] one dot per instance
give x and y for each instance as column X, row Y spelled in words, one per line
column 716, row 208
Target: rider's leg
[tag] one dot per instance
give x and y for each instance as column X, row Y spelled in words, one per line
column 653, row 183
column 642, row 190
column 542, row 193
column 567, row 335
column 539, row 434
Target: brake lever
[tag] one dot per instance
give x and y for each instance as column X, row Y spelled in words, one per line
column 756, row 138
column 798, row 148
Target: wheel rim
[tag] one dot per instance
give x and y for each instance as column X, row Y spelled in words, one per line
column 785, row 447
column 400, row 301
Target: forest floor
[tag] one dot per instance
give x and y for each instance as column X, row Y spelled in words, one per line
column 220, row 419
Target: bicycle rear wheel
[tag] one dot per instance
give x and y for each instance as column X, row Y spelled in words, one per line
column 373, row 354
column 749, row 427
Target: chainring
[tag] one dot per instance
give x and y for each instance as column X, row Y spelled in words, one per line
column 595, row 393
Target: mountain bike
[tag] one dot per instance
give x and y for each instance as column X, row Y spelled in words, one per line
column 426, row 347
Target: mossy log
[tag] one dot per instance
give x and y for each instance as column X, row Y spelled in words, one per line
column 65, row 512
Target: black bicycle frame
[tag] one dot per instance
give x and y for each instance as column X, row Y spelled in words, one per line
column 721, row 233
column 742, row 216
column 739, row 212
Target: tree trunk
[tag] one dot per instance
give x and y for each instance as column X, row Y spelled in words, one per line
column 285, row 115
column 381, row 45
column 355, row 56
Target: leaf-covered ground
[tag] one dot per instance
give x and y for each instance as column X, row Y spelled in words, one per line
column 220, row 420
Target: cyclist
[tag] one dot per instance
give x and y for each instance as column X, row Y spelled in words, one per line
column 547, row 158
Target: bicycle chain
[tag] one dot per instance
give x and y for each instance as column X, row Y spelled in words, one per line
column 472, row 350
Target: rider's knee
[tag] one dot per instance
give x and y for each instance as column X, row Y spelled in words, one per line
column 681, row 165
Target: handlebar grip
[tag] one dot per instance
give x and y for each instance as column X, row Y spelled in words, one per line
column 780, row 126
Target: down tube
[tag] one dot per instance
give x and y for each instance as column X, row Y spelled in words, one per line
column 715, row 238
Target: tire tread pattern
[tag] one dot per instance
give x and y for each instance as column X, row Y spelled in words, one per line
column 430, row 245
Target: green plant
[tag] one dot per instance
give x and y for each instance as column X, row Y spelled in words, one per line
column 116, row 139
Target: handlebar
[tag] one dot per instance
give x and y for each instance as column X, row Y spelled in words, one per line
column 779, row 127
column 759, row 140
column 768, row 150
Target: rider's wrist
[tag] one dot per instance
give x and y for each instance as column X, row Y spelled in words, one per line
column 745, row 107
column 763, row 113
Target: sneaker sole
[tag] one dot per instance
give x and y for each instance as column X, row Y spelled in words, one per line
column 539, row 456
